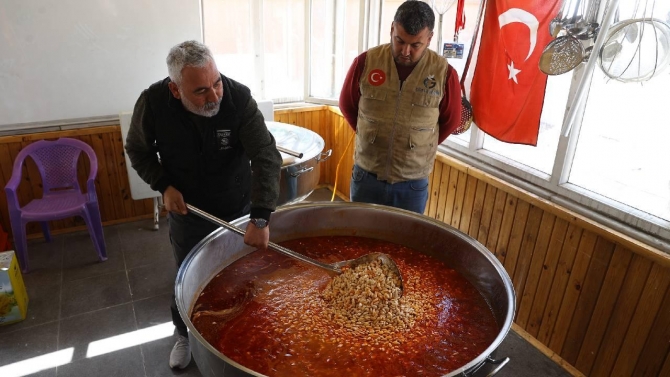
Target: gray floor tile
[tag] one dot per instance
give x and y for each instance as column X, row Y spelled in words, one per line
column 43, row 307
column 145, row 247
column 45, row 262
column 85, row 295
column 156, row 356
column 122, row 363
column 152, row 280
column 80, row 259
column 79, row 331
column 28, row 343
column 153, row 311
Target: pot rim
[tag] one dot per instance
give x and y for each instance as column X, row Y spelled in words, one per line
column 242, row 222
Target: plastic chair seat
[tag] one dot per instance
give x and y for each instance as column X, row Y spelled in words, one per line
column 62, row 196
column 55, row 206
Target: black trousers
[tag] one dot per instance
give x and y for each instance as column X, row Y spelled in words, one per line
column 185, row 233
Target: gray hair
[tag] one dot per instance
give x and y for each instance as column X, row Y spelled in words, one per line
column 414, row 16
column 189, row 53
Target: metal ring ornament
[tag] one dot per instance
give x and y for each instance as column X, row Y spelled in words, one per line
column 613, row 47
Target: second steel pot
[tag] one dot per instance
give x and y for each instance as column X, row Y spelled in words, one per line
column 299, row 176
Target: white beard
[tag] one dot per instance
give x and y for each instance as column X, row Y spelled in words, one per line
column 208, row 110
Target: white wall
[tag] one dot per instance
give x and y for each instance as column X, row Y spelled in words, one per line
column 70, row 59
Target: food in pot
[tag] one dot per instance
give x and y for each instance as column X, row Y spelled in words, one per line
column 281, row 317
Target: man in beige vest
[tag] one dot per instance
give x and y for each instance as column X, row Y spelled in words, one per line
column 402, row 99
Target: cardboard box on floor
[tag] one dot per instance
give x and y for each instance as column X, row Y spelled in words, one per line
column 13, row 297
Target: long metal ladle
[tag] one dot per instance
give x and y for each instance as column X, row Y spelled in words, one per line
column 334, row 267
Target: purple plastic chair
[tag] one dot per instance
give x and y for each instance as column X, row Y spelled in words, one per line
column 61, row 194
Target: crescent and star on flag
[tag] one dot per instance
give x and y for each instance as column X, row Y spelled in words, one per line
column 519, row 15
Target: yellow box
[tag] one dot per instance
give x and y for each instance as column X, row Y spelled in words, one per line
column 13, row 297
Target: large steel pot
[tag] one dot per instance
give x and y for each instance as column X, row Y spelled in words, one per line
column 299, row 176
column 422, row 233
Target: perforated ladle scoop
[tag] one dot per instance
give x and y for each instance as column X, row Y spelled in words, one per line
column 337, row 267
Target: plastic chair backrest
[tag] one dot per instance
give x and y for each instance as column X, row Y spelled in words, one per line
column 266, row 108
column 57, row 162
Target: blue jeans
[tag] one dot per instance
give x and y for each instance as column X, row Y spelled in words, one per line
column 410, row 195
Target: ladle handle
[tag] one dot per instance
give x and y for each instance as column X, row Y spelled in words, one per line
column 289, row 152
column 271, row 245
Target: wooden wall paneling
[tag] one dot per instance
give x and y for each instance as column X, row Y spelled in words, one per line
column 300, row 121
column 573, row 290
column 657, row 347
column 496, row 220
column 6, row 166
column 516, row 237
column 560, row 282
column 487, row 213
column 292, row 118
column 548, row 270
column 443, row 185
column 452, row 185
column 434, row 196
column 526, row 254
column 603, row 309
column 629, row 297
column 331, row 163
column 347, row 160
column 315, row 119
column 640, row 326
column 468, row 203
column 477, row 208
column 120, row 176
column 528, row 286
column 105, row 201
column 458, row 200
column 341, row 130
column 600, row 260
column 505, row 231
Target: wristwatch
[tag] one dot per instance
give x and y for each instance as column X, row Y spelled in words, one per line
column 260, row 223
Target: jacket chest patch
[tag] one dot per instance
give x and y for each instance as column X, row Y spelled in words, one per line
column 223, row 139
column 376, row 77
column 429, row 82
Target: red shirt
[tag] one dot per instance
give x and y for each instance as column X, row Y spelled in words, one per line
column 450, row 106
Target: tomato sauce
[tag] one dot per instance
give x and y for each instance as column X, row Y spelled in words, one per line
column 263, row 311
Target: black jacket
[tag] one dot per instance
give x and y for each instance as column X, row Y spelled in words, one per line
column 206, row 159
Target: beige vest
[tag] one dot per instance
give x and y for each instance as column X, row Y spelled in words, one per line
column 397, row 130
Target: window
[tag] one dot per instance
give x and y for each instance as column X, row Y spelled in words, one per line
column 260, row 43
column 615, row 159
column 334, row 43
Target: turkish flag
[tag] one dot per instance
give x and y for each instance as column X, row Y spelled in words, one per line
column 507, row 91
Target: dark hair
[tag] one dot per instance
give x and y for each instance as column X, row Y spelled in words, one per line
column 414, row 16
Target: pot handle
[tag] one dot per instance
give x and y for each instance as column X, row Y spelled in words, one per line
column 324, row 155
column 301, row 171
column 500, row 364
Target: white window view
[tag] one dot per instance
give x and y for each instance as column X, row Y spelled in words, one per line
column 333, row 45
column 259, row 43
column 615, row 158
column 622, row 151
column 540, row 157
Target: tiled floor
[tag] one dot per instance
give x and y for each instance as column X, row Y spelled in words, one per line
column 87, row 318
